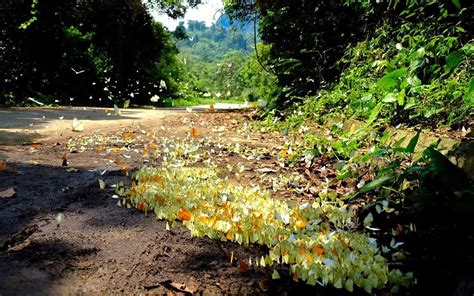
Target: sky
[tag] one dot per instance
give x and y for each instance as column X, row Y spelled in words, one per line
column 208, row 12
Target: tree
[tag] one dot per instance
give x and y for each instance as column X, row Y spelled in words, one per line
column 214, row 57
column 308, row 38
column 260, row 83
column 88, row 49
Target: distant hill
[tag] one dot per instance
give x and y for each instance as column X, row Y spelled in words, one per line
column 209, row 44
column 225, row 21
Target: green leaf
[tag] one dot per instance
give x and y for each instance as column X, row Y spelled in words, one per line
column 410, row 103
column 456, row 2
column 390, row 80
column 275, row 275
column 374, row 113
column 393, row 165
column 452, row 61
column 412, row 144
column 390, row 98
column 377, row 183
column 401, row 98
column 414, row 81
column 469, row 98
column 468, row 49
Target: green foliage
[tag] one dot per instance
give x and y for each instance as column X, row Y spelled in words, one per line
column 377, row 183
column 213, row 57
column 211, row 44
column 218, row 63
column 412, row 73
column 259, row 84
column 95, row 52
column 395, row 184
column 307, row 38
column 469, row 97
column 413, row 47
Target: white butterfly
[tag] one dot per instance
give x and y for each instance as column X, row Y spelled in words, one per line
column 78, row 72
column 77, row 125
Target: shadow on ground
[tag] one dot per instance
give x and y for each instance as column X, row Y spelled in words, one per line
column 98, row 247
column 17, row 138
column 24, row 272
column 41, row 257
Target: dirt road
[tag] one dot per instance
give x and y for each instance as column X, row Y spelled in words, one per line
column 61, row 234
column 19, row 125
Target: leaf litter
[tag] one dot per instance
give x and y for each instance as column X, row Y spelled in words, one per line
column 10, row 192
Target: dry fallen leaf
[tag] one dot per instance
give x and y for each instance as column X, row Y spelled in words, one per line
column 222, row 287
column 72, row 170
column 189, row 287
column 263, row 284
column 267, row 170
column 20, row 246
column 64, row 158
column 243, row 266
column 3, row 165
column 10, row 192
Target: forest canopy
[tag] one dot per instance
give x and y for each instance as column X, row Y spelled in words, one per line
column 316, row 43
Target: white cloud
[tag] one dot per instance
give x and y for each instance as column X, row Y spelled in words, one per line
column 208, row 12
